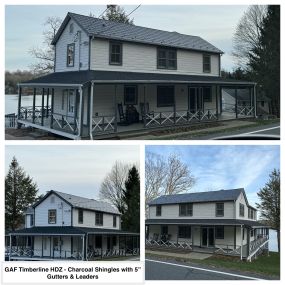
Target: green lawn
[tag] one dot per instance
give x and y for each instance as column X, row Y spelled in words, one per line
column 266, row 265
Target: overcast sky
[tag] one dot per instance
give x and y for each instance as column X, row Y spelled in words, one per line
column 77, row 170
column 216, row 24
column 227, row 166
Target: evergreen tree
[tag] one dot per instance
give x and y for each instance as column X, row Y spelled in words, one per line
column 131, row 197
column 269, row 205
column 117, row 14
column 264, row 61
column 20, row 193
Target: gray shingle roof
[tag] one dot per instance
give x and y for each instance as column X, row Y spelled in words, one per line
column 210, row 196
column 81, row 77
column 131, row 33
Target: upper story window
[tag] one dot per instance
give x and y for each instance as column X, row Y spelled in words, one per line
column 71, row 28
column 186, row 209
column 80, row 216
column 251, row 214
column 70, row 55
column 241, row 210
column 158, row 210
column 165, row 96
column 206, row 63
column 52, row 216
column 99, row 219
column 116, row 53
column 166, row 58
column 131, row 95
column 184, row 232
column 31, row 220
column 207, row 94
column 219, row 209
column 114, row 221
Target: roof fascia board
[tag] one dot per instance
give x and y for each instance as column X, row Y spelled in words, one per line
column 50, row 84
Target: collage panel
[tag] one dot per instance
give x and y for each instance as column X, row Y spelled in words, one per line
column 64, row 203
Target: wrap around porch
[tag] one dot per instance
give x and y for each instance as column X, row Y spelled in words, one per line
column 97, row 103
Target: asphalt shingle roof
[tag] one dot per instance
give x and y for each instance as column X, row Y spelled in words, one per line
column 210, row 196
column 132, row 33
column 81, row 77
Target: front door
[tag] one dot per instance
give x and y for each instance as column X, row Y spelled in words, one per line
column 195, row 99
column 208, row 237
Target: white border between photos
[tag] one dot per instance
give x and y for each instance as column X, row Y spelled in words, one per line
column 140, row 143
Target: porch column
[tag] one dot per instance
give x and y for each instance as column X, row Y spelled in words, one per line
column 75, row 113
column 43, row 104
column 80, row 117
column 235, row 237
column 241, row 241
column 91, row 110
column 115, row 109
column 10, row 248
column 59, row 246
column 47, row 102
column 125, row 245
column 174, row 107
column 101, row 246
column 83, row 246
column 217, row 102
column 248, row 241
column 52, row 107
column 236, row 101
column 34, row 104
column 19, row 106
column 144, row 104
column 254, row 99
column 86, row 247
column 42, row 246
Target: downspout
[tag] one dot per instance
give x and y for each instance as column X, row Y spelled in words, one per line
column 80, row 113
column 91, row 110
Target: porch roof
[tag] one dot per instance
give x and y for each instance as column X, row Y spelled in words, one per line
column 67, row 231
column 79, row 78
column 217, row 222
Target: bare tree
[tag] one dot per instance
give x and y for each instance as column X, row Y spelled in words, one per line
column 113, row 185
column 247, row 34
column 44, row 54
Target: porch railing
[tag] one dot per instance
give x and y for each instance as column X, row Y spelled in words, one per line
column 168, row 243
column 227, row 249
column 99, row 253
column 103, row 124
column 65, row 123
column 245, row 110
column 34, row 115
column 10, row 121
column 179, row 117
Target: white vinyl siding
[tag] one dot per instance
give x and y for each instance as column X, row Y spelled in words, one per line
column 200, row 211
column 143, row 58
column 63, row 212
column 241, row 200
column 81, row 50
column 89, row 220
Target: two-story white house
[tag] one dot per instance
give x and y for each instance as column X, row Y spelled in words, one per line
column 216, row 221
column 111, row 77
column 64, row 226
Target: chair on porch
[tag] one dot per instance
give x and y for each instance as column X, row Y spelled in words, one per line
column 144, row 109
column 123, row 121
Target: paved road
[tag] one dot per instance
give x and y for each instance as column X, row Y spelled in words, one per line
column 172, row 270
column 247, row 133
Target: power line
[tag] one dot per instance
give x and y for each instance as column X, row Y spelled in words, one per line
column 134, row 10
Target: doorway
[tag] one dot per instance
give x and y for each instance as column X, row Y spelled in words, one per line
column 208, row 237
column 195, row 99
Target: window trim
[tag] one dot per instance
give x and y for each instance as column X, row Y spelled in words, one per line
column 49, row 211
column 110, row 53
column 222, row 215
column 204, row 69
column 136, row 94
column 186, row 210
column 166, row 50
column 159, row 105
column 114, row 221
column 158, row 212
column 241, row 206
column 73, row 56
column 79, row 216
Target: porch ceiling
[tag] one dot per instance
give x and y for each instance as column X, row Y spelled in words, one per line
column 220, row 222
column 79, row 78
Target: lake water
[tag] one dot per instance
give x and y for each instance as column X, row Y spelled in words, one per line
column 273, row 245
column 11, row 102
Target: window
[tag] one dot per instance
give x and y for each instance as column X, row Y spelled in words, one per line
column 71, row 101
column 165, row 96
column 166, row 58
column 252, row 233
column 116, row 51
column 131, row 95
column 71, row 28
column 158, row 210
column 207, row 94
column 52, row 216
column 99, row 219
column 70, row 55
column 80, row 216
column 184, row 232
column 31, row 220
column 186, row 209
column 241, row 210
column 219, row 209
column 206, row 63
column 114, row 221
column 114, row 241
column 220, row 232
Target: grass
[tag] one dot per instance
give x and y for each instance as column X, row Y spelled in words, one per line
column 264, row 265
